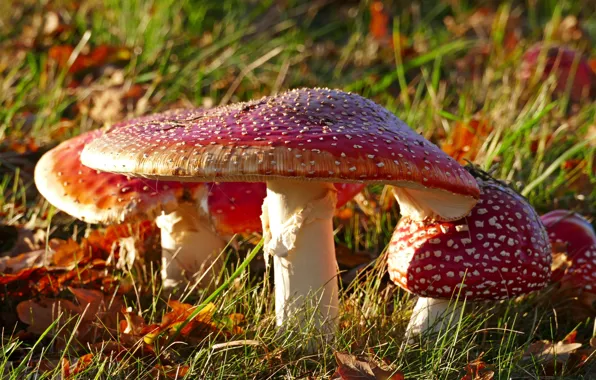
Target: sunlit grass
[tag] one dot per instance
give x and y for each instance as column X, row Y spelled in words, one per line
column 207, row 53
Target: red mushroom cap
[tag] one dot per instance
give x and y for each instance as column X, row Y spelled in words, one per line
column 577, row 234
column 582, row 272
column 567, row 64
column 499, row 250
column 235, row 207
column 99, row 197
column 570, row 228
column 306, row 134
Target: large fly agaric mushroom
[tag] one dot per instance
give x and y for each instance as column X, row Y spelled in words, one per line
column 299, row 143
column 191, row 236
column 97, row 197
column 566, row 64
column 500, row 250
column 577, row 236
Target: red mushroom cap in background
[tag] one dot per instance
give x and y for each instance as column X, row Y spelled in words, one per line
column 571, row 229
column 235, row 207
column 561, row 61
column 100, row 197
column 499, row 250
column 577, row 234
column 582, row 272
column 303, row 135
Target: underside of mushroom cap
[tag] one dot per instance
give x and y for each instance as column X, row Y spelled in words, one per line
column 235, row 207
column 100, row 197
column 306, row 134
column 499, row 250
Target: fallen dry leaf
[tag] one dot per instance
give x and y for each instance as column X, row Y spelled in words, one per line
column 548, row 352
column 561, row 262
column 15, row 240
column 99, row 56
column 180, row 312
column 478, row 370
column 23, row 261
column 351, row 367
column 171, row 371
column 41, row 314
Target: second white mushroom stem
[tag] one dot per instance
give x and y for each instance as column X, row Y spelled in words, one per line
column 189, row 247
column 298, row 231
column 432, row 315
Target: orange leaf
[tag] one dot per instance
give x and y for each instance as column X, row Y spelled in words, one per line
column 61, row 54
column 379, row 21
column 592, row 64
column 65, row 368
column 466, row 139
column 67, row 253
column 173, row 372
column 83, row 363
column 477, row 370
column 180, row 312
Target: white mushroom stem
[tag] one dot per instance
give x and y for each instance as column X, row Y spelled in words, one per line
column 189, row 247
column 432, row 315
column 298, row 231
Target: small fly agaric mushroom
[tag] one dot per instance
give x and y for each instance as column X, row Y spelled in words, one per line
column 299, row 143
column 577, row 235
column 97, row 197
column 566, row 64
column 500, row 250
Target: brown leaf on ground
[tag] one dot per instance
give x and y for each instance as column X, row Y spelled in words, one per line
column 93, row 318
column 181, row 311
column 98, row 307
column 69, row 253
column 15, row 240
column 171, row 371
column 23, row 261
column 101, row 244
column 347, row 259
column 561, row 262
column 74, row 264
column 478, row 370
column 81, row 364
column 545, row 350
column 99, row 56
column 41, row 314
column 20, row 283
column 351, row 367
column 22, row 147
